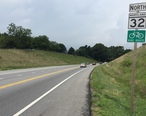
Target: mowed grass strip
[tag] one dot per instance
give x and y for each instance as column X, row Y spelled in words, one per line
column 108, row 98
column 111, row 86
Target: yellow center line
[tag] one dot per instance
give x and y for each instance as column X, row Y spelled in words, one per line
column 33, row 78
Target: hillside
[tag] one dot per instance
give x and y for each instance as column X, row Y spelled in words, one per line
column 111, row 85
column 15, row 58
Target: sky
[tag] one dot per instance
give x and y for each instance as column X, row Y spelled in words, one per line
column 74, row 23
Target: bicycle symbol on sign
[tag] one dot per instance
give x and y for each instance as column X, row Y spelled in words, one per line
column 136, row 34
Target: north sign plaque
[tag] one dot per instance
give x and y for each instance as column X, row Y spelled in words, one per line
column 137, row 7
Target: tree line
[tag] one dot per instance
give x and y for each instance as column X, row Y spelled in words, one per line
column 18, row 37
column 100, row 52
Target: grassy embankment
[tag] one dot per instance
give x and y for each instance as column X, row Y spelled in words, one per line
column 14, row 59
column 111, row 85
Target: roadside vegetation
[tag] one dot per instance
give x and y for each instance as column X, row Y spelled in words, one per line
column 16, row 58
column 111, row 86
column 18, row 37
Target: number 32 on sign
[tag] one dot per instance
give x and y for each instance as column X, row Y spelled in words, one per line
column 137, row 23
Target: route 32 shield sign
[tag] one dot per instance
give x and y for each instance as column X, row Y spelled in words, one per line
column 137, row 23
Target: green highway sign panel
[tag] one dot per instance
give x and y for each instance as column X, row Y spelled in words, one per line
column 136, row 36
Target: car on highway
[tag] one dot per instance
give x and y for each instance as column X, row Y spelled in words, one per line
column 93, row 63
column 83, row 65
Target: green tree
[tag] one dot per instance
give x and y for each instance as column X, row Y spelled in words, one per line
column 57, row 47
column 12, row 29
column 62, row 48
column 7, row 41
column 18, row 31
column 99, row 52
column 71, row 51
column 84, row 51
column 41, row 42
column 114, row 52
column 127, row 50
column 22, row 36
column 54, row 46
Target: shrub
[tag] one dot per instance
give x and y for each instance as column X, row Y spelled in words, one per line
column 126, row 63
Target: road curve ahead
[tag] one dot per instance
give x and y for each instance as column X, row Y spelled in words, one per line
column 49, row 91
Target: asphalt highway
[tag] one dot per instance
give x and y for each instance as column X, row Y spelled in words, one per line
column 48, row 91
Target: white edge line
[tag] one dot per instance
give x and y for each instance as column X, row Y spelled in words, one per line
column 38, row 99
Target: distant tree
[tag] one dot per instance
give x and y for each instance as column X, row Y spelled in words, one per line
column 7, row 41
column 54, row 46
column 41, row 42
column 99, row 52
column 57, row 47
column 89, row 51
column 22, row 36
column 127, row 50
column 12, row 29
column 119, row 51
column 110, row 53
column 71, row 51
column 18, row 31
column 114, row 52
column 81, row 51
column 84, row 51
column 62, row 48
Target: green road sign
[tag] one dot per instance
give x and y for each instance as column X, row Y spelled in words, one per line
column 136, row 36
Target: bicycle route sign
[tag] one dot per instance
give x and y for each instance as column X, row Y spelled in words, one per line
column 136, row 36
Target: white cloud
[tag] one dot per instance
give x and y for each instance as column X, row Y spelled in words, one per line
column 72, row 22
column 21, row 12
column 16, row 2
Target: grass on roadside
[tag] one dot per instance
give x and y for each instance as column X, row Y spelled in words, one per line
column 15, row 58
column 110, row 94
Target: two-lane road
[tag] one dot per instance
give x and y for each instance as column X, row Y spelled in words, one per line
column 49, row 91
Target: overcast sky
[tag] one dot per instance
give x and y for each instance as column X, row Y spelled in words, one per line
column 74, row 23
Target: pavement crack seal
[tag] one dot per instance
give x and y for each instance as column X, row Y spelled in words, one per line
column 33, row 78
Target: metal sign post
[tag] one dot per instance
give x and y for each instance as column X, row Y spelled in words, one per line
column 133, row 78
